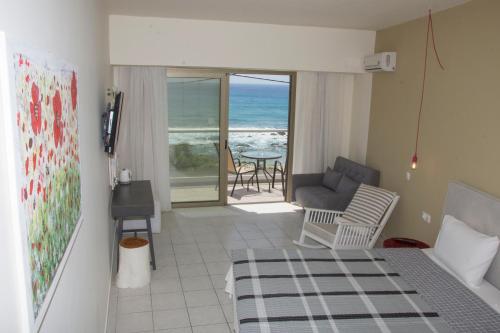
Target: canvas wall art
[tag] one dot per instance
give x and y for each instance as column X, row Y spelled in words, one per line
column 46, row 115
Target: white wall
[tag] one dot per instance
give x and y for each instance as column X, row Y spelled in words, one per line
column 198, row 43
column 75, row 31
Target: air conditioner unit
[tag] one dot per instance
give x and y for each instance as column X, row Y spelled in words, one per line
column 381, row 62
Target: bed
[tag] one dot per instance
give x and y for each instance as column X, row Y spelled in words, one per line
column 379, row 290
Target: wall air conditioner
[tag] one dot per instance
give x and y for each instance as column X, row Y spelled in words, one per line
column 381, row 62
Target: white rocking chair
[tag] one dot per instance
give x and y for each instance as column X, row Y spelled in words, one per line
column 358, row 227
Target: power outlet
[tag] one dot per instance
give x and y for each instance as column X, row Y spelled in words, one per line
column 426, row 217
column 408, row 175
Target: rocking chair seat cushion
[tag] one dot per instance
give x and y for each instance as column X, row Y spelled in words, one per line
column 321, row 197
column 325, row 231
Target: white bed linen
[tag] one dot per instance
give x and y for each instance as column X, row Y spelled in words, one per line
column 486, row 291
column 230, row 282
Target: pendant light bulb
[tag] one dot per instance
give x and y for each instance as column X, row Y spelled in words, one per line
column 414, row 160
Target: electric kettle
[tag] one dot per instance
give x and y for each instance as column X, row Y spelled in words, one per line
column 125, row 176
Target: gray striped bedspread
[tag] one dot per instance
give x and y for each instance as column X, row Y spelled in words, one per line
column 346, row 291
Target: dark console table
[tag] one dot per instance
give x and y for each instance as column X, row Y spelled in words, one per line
column 134, row 201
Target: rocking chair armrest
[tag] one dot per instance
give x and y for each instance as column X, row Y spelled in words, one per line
column 343, row 222
column 324, row 216
column 337, row 212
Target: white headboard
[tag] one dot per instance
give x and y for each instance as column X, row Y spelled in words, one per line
column 480, row 211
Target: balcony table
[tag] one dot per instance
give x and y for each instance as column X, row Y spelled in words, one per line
column 261, row 156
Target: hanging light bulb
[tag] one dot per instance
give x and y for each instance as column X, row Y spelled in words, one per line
column 414, row 160
column 430, row 37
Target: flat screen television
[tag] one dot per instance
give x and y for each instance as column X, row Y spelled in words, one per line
column 111, row 123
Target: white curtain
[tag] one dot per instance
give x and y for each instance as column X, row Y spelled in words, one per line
column 143, row 138
column 322, row 120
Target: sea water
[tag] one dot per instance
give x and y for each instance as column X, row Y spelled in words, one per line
column 258, row 120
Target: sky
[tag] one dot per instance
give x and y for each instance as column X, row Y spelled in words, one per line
column 255, row 79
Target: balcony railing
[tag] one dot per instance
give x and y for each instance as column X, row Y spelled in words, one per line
column 194, row 160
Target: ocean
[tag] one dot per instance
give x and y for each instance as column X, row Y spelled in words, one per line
column 258, row 106
column 258, row 120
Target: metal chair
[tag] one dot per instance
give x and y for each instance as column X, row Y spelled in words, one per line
column 282, row 170
column 236, row 167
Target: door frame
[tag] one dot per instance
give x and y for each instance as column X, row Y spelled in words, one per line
column 223, row 130
column 224, row 74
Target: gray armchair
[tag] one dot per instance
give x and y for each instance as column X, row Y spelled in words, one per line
column 335, row 190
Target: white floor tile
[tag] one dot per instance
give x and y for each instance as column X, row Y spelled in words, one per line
column 206, row 315
column 218, row 281
column 175, row 330
column 177, row 318
column 218, row 268
column 168, row 301
column 168, row 285
column 188, row 258
column 132, row 304
column 228, row 312
column 223, row 296
column 196, row 283
column 169, row 272
column 217, row 328
column 215, row 256
column 192, row 270
column 260, row 243
column 201, row 298
column 134, row 322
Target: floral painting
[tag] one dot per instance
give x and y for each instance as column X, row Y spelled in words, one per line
column 49, row 187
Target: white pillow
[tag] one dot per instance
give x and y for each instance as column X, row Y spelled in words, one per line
column 465, row 251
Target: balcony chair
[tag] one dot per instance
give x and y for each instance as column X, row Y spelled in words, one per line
column 236, row 167
column 358, row 227
column 282, row 170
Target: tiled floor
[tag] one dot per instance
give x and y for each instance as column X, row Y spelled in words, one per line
column 186, row 293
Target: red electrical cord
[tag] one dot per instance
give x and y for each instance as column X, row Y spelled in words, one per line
column 430, row 30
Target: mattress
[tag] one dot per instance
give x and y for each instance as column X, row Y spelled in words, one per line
column 389, row 290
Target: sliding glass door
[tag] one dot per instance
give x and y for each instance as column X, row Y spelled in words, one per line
column 197, row 104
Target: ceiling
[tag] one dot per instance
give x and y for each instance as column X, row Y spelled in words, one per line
column 354, row 14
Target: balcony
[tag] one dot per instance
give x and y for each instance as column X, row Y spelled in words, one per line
column 194, row 163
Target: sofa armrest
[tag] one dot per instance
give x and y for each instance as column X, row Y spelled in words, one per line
column 305, row 179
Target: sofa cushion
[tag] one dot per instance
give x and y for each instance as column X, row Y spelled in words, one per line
column 347, row 186
column 331, row 179
column 321, row 197
column 358, row 172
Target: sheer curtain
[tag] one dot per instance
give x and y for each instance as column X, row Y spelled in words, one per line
column 322, row 120
column 143, row 138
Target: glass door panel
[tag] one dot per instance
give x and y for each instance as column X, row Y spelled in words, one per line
column 194, row 125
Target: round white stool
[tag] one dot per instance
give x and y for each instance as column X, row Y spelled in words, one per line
column 134, row 270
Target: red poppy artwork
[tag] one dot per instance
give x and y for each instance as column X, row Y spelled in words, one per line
column 46, row 119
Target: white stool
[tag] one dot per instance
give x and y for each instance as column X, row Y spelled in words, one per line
column 134, row 270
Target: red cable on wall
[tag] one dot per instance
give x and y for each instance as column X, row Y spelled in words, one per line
column 430, row 30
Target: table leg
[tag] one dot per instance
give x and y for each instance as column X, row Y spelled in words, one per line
column 151, row 246
column 120, row 235
column 257, row 175
column 264, row 171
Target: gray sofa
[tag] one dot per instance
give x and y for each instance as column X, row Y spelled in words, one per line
column 335, row 190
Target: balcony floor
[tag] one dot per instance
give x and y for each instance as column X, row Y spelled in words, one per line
column 240, row 196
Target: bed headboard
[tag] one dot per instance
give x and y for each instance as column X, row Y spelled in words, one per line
column 480, row 211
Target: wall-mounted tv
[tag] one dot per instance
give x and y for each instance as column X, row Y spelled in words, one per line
column 111, row 123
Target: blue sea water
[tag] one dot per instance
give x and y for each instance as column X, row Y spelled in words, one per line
column 258, row 106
